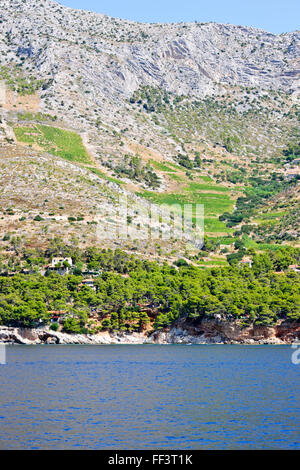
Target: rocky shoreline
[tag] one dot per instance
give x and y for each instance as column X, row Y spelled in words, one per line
column 182, row 332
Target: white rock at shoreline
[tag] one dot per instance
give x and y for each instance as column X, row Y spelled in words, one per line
column 175, row 335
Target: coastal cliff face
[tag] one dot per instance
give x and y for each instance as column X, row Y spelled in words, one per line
column 47, row 336
column 219, row 331
column 183, row 332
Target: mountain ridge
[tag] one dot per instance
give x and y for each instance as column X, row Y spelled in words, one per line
column 140, row 97
column 177, row 115
column 202, row 49
column 170, row 22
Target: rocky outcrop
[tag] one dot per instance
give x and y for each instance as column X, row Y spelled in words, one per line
column 183, row 332
column 118, row 56
column 47, row 336
column 221, row 331
column 87, row 67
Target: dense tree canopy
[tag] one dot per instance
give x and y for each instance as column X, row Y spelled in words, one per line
column 130, row 293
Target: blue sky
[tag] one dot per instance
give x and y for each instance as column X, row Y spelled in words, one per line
column 276, row 16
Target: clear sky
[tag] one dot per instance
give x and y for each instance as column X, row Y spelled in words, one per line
column 276, row 16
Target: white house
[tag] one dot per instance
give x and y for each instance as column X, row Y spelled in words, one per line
column 89, row 283
column 58, row 265
column 61, row 261
column 246, row 262
column 295, row 267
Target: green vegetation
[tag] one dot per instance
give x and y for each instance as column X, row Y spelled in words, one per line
column 206, row 178
column 162, row 166
column 258, row 193
column 100, row 173
column 214, row 203
column 17, row 82
column 185, row 161
column 198, row 187
column 37, row 117
column 249, row 243
column 222, row 120
column 271, row 215
column 292, row 151
column 133, row 168
column 195, row 188
column 60, row 142
column 212, row 225
column 151, row 294
column 177, row 178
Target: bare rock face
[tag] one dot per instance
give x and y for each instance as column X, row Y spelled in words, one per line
column 88, row 67
column 18, row 335
column 219, row 331
column 182, row 332
column 10, row 335
column 116, row 56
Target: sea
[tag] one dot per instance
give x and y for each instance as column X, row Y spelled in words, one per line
column 150, row 397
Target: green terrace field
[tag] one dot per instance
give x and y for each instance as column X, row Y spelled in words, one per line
column 249, row 243
column 162, row 166
column 225, row 240
column 215, row 198
column 270, row 218
column 60, row 142
column 100, row 173
column 36, row 117
column 198, row 187
column 213, row 262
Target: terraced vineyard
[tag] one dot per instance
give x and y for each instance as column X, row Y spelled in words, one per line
column 60, row 142
column 173, row 122
column 215, row 198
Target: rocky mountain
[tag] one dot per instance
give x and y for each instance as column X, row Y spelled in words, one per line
column 114, row 57
column 186, row 112
column 95, row 111
column 90, row 64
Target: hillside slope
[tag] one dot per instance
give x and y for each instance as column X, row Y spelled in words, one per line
column 173, row 113
column 85, row 67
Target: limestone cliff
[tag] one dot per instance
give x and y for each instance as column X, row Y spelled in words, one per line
column 182, row 332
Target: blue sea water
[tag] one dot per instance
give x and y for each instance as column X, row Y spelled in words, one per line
column 149, row 397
